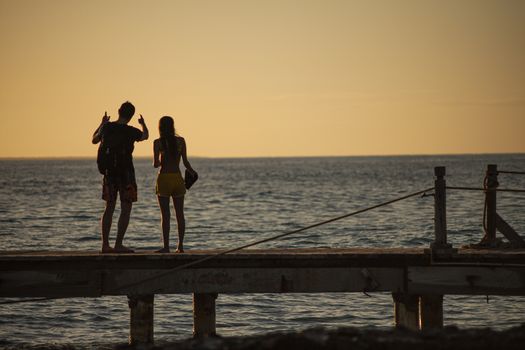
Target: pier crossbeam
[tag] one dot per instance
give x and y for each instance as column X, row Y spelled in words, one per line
column 408, row 270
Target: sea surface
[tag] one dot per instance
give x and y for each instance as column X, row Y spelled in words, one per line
column 55, row 204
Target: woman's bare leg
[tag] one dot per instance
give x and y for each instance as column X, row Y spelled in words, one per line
column 178, row 202
column 164, row 204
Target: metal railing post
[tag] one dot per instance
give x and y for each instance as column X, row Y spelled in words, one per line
column 491, row 185
column 440, row 210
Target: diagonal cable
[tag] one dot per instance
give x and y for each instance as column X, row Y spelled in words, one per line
column 196, row 262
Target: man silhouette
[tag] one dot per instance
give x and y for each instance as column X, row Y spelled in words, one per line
column 115, row 161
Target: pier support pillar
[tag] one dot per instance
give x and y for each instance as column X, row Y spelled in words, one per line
column 431, row 311
column 406, row 311
column 141, row 319
column 204, row 314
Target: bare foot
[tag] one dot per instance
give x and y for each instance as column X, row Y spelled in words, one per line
column 163, row 250
column 107, row 249
column 123, row 249
column 179, row 250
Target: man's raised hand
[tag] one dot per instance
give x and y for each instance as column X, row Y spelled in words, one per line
column 141, row 120
column 105, row 118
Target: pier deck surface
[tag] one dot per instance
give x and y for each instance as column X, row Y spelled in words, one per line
column 263, row 257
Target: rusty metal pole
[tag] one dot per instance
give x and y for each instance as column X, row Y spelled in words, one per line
column 490, row 196
column 440, row 210
column 431, row 306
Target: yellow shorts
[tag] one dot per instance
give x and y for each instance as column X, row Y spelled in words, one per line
column 170, row 185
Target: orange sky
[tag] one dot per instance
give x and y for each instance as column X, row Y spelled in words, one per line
column 266, row 78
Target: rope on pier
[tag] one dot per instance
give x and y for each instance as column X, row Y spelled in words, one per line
column 511, row 172
column 6, row 302
column 193, row 263
column 199, row 261
column 484, row 189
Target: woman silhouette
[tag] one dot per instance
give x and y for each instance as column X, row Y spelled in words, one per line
column 167, row 152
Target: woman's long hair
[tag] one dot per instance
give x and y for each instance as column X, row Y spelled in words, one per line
column 168, row 140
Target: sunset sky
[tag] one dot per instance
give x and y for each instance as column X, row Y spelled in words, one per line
column 266, row 78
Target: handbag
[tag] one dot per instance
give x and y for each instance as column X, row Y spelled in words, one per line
column 190, row 177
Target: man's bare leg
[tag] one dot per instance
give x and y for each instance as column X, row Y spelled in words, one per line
column 123, row 221
column 164, row 204
column 105, row 223
column 178, row 202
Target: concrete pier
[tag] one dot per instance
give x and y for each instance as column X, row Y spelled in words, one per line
column 416, row 278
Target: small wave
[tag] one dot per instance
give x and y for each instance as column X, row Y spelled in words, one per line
column 81, row 217
column 231, row 232
column 88, row 238
column 264, row 193
column 10, row 221
column 417, row 241
column 98, row 318
column 237, row 196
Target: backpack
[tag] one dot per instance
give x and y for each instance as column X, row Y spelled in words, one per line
column 112, row 155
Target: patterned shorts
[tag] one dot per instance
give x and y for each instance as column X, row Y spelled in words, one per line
column 112, row 187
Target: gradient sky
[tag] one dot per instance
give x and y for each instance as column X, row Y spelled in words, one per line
column 266, row 78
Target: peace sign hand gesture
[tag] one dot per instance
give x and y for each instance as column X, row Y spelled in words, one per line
column 105, row 118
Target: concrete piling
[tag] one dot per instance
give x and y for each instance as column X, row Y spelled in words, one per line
column 431, row 312
column 141, row 319
column 204, row 314
column 406, row 311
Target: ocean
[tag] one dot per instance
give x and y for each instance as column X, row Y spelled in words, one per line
column 54, row 204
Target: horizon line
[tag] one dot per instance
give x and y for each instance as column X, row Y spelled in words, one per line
column 283, row 157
